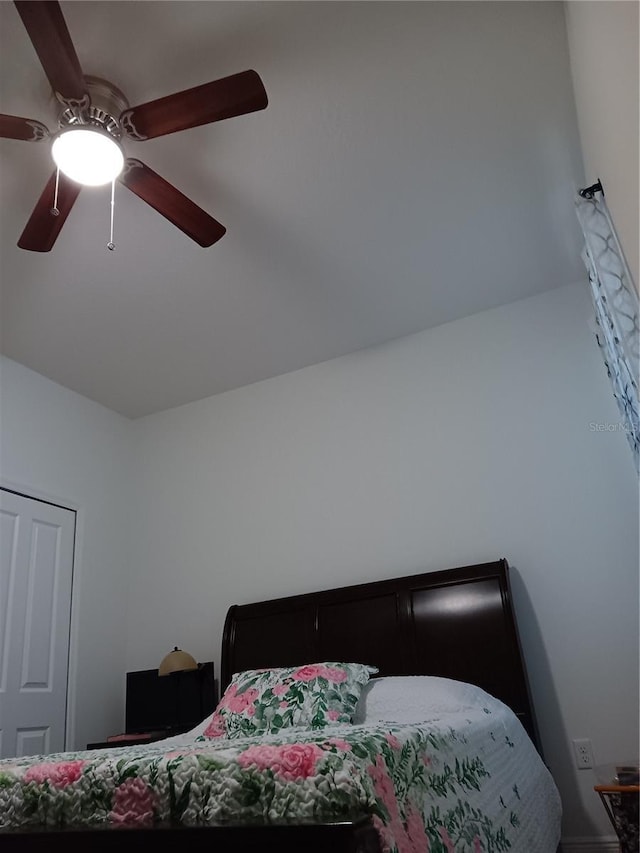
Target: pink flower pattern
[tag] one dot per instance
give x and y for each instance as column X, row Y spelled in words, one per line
column 132, row 803
column 308, row 673
column 342, row 745
column 216, row 727
column 59, row 774
column 375, row 767
column 335, row 676
column 412, row 837
column 313, row 671
column 290, row 761
column 416, row 830
column 446, row 839
column 269, row 700
column 239, row 702
column 387, row 842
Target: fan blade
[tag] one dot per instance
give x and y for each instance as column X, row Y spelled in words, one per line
column 27, row 129
column 50, row 37
column 231, row 96
column 43, row 227
column 171, row 203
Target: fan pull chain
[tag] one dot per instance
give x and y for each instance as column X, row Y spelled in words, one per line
column 111, row 245
column 54, row 210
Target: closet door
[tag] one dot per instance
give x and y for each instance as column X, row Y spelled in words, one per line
column 36, row 574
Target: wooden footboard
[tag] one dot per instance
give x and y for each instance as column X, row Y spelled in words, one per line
column 351, row 836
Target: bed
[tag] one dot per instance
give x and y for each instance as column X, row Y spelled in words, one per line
column 387, row 716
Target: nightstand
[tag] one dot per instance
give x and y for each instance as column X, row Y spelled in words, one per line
column 134, row 739
column 162, row 706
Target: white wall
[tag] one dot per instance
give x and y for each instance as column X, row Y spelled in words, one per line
column 603, row 45
column 462, row 444
column 58, row 445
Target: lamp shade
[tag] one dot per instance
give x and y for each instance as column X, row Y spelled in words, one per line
column 176, row 661
column 87, row 155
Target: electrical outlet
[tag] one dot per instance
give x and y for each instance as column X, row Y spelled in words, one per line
column 583, row 753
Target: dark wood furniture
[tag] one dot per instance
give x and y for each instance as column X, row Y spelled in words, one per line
column 356, row 836
column 178, row 701
column 162, row 706
column 458, row 623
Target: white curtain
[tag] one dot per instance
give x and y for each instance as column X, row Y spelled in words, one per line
column 615, row 303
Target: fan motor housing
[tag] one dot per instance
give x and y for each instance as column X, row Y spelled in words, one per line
column 106, row 104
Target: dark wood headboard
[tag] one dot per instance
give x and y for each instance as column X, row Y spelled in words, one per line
column 458, row 623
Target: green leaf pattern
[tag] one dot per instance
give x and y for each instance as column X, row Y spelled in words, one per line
column 269, row 700
column 420, row 788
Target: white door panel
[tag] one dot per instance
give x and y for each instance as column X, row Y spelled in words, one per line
column 36, row 574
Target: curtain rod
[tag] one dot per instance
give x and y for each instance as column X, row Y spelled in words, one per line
column 589, row 192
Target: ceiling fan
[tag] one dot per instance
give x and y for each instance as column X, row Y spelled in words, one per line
column 95, row 116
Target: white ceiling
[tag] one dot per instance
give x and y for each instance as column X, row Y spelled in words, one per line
column 415, row 165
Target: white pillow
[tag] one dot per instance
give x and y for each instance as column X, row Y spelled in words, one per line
column 416, row 698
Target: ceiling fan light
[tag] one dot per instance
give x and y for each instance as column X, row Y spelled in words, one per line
column 88, row 156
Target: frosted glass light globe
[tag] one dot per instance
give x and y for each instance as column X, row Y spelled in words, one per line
column 87, row 156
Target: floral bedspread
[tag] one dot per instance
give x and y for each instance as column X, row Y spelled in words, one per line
column 470, row 781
